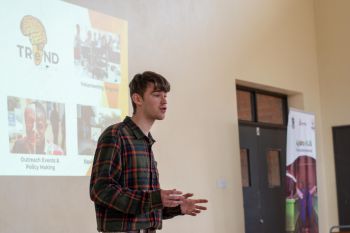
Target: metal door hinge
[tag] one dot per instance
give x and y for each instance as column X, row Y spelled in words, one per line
column 257, row 131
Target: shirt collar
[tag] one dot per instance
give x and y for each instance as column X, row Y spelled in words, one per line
column 137, row 131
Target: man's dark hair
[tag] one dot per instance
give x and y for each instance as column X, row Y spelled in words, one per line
column 140, row 82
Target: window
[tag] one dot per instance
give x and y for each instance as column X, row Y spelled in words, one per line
column 245, row 169
column 273, row 168
column 257, row 106
column 244, row 104
column 269, row 109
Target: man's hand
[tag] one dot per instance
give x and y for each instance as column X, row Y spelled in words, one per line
column 171, row 198
column 190, row 207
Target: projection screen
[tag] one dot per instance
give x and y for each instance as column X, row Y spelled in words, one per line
column 64, row 78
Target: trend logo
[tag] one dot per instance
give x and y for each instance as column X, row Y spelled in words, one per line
column 35, row 31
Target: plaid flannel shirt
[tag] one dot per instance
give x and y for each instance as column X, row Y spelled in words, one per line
column 124, row 181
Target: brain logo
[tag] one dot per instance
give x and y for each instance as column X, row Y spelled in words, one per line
column 35, row 31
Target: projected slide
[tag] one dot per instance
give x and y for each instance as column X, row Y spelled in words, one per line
column 64, row 79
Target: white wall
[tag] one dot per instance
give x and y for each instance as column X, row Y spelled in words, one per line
column 333, row 36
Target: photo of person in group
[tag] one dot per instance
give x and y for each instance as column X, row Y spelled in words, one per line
column 91, row 122
column 97, row 54
column 36, row 127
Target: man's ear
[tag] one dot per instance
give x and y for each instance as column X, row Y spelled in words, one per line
column 137, row 99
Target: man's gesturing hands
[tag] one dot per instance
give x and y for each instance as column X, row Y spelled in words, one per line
column 190, row 207
column 173, row 198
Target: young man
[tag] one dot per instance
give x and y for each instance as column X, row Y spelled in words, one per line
column 124, row 181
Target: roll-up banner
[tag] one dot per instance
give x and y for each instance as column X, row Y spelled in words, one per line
column 301, row 182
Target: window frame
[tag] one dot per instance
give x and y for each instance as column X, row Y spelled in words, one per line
column 253, row 95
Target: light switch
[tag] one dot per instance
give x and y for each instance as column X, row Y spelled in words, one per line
column 221, row 183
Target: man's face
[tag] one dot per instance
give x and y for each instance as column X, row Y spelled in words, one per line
column 29, row 117
column 35, row 125
column 40, row 126
column 154, row 103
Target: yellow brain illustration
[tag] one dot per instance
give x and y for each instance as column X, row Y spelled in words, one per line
column 35, row 31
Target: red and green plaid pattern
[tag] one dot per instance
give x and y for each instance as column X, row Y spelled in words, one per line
column 124, row 181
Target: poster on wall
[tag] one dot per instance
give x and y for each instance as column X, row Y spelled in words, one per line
column 64, row 79
column 301, row 183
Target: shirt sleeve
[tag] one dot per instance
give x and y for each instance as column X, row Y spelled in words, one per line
column 170, row 212
column 105, row 189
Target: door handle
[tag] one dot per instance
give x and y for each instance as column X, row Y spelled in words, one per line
column 261, row 221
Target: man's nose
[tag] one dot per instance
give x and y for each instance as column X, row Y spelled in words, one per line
column 164, row 100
